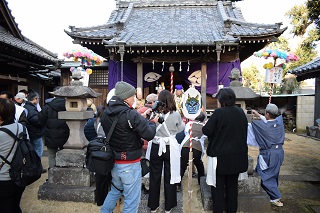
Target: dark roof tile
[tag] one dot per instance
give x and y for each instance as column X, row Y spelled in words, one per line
column 200, row 22
column 308, row 70
column 27, row 45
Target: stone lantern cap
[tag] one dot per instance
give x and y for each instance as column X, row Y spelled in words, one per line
column 75, row 92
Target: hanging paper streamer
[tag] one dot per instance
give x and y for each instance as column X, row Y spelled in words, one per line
column 188, row 66
column 162, row 66
column 180, row 69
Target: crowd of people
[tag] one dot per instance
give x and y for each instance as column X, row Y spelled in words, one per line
column 162, row 136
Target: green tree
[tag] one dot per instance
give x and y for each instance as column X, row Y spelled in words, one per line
column 252, row 78
column 314, row 13
column 299, row 19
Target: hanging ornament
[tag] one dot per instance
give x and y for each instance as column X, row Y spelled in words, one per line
column 152, row 64
column 162, row 66
column 188, row 66
column 180, row 69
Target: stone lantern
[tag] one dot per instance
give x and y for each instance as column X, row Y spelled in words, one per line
column 69, row 180
column 242, row 93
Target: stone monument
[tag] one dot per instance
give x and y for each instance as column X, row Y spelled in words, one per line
column 69, row 180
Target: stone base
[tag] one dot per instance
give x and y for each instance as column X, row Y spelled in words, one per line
column 71, row 158
column 313, row 131
column 251, row 197
column 71, row 176
column 66, row 193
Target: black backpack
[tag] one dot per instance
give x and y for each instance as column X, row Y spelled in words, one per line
column 25, row 167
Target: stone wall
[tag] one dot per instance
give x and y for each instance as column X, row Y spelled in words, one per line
column 305, row 112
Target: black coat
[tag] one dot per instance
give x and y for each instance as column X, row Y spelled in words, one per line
column 56, row 130
column 34, row 126
column 227, row 134
column 126, row 141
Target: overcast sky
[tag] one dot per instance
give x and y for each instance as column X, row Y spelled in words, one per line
column 44, row 21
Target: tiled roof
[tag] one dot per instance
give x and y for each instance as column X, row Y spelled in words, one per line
column 183, row 22
column 26, row 45
column 308, row 70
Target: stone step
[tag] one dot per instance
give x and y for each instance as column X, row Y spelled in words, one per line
column 56, row 192
column 251, row 197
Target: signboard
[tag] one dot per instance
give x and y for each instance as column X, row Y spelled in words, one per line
column 191, row 103
column 274, row 75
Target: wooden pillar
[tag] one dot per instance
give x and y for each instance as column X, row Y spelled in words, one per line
column 65, row 77
column 204, row 85
column 317, row 101
column 140, row 76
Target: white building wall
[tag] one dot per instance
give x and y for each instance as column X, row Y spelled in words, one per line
column 305, row 112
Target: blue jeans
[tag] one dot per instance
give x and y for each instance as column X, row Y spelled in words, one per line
column 126, row 177
column 38, row 146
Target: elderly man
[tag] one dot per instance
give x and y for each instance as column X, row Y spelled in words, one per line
column 20, row 98
column 268, row 134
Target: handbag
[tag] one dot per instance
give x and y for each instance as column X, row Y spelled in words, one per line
column 100, row 156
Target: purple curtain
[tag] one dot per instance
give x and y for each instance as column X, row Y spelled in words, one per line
column 130, row 72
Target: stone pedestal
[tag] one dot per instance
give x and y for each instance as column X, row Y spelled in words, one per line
column 313, row 131
column 251, row 197
column 69, row 180
column 76, row 122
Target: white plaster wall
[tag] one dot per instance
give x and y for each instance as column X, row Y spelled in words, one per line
column 305, row 112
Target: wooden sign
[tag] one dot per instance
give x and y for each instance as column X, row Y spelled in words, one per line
column 274, row 75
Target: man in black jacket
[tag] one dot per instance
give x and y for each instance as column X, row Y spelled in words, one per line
column 56, row 130
column 126, row 144
column 34, row 126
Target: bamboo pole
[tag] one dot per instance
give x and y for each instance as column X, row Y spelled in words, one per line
column 190, row 172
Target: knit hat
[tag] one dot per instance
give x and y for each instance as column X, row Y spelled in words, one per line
column 21, row 95
column 151, row 98
column 124, row 90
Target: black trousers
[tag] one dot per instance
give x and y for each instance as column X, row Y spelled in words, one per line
column 196, row 160
column 102, row 187
column 10, row 196
column 229, row 183
column 170, row 190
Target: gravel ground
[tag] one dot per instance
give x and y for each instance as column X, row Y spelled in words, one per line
column 299, row 183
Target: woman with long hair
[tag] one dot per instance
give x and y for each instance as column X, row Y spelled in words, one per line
column 227, row 150
column 10, row 193
column 165, row 152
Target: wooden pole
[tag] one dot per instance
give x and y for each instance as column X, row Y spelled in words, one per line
column 190, row 172
column 171, row 82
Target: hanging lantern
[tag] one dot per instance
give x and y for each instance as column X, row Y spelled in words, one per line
column 171, row 68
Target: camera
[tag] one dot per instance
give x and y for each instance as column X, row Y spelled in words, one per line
column 249, row 111
column 155, row 111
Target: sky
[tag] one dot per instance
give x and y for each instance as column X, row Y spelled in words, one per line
column 44, row 21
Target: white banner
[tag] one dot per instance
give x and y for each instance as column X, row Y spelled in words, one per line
column 274, row 75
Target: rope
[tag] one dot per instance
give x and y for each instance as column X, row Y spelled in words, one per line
column 171, row 82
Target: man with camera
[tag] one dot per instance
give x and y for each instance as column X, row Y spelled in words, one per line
column 126, row 144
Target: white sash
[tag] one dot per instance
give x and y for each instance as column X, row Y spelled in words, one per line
column 174, row 152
